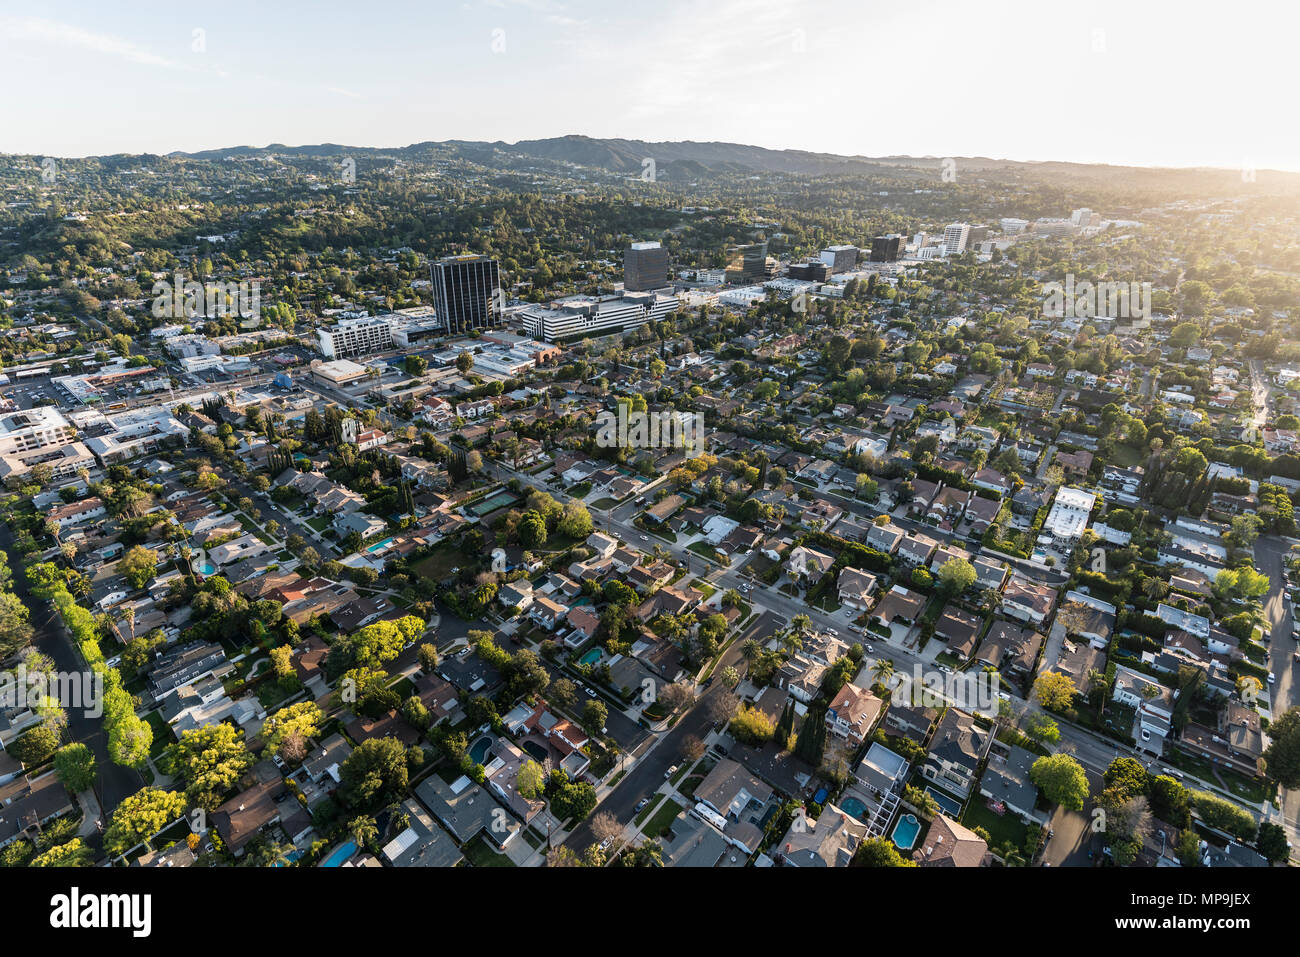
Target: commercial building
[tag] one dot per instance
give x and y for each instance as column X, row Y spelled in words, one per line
column 955, row 237
column 887, row 248
column 466, row 290
column 840, row 258
column 355, row 337
column 576, row 317
column 747, row 263
column 339, row 372
column 810, row 271
column 645, row 266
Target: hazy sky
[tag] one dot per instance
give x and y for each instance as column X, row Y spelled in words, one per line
column 1184, row 83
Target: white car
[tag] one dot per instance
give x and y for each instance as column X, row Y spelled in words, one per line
column 645, row 538
column 1272, row 678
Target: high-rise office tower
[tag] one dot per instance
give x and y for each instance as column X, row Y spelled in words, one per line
column 887, row 248
column 645, row 267
column 840, row 258
column 955, row 236
column 747, row 263
column 466, row 291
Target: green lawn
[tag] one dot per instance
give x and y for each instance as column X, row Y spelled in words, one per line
column 479, row 854
column 162, row 734
column 663, row 817
column 1001, row 828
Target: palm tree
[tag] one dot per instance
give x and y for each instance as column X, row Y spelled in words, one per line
column 363, row 830
column 883, row 670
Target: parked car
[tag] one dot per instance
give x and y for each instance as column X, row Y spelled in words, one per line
column 670, row 772
column 640, row 805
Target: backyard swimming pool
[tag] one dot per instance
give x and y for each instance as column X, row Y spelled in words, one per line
column 479, row 750
column 340, row 854
column 854, row 809
column 591, row 657
column 950, row 807
column 207, row 568
column 379, row 546
column 905, row 832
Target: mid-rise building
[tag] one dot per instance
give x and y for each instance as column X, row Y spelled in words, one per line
column 887, row 248
column 576, row 317
column 840, row 258
column 747, row 263
column 466, row 293
column 645, row 267
column 355, row 337
column 810, row 271
column 955, row 237
column 1011, row 226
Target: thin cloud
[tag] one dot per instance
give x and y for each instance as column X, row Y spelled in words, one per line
column 66, row 35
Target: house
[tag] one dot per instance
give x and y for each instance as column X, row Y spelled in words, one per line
column 1028, row 601
column 584, row 622
column 911, row 721
column 886, row 538
column 990, row 572
column 898, row 604
column 423, row 843
column 1006, row 782
column 252, row 810
column 516, row 594
column 917, row 548
column 466, row 811
column 807, row 564
column 359, row 522
column 991, row 480
column 28, row 803
column 1153, row 702
column 949, row 844
column 956, row 750
column 828, row 841
column 853, row 712
column 1075, row 465
column 856, row 588
column 547, row 613
column 1237, row 741
column 960, row 629
column 730, row 791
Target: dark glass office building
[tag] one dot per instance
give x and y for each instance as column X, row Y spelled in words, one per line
column 645, row 267
column 465, row 293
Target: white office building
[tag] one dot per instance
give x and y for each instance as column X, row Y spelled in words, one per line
column 954, row 238
column 576, row 317
column 355, row 337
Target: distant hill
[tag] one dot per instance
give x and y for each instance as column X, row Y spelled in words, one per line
column 686, row 160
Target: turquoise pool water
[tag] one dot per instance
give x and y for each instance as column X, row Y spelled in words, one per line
column 341, row 854
column 591, row 657
column 207, row 568
column 380, row 546
column 479, row 750
column 292, row 858
column 854, row 808
column 905, row 832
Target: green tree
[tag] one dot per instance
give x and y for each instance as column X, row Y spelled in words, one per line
column 140, row 816
column 75, row 765
column 1061, row 779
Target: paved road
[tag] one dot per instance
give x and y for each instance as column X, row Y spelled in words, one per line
column 1269, row 551
column 650, row 770
column 115, row 782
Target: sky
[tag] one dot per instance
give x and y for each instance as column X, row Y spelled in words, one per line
column 1133, row 82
